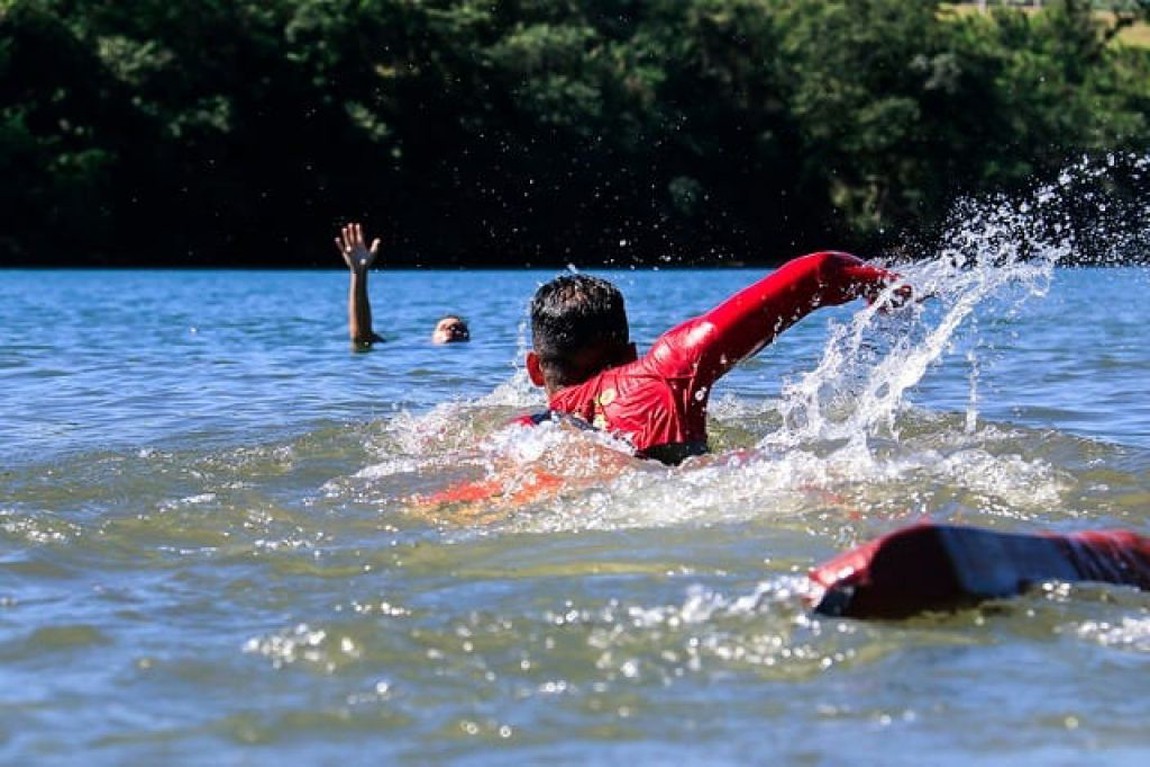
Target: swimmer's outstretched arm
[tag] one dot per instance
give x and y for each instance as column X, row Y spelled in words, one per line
column 756, row 315
column 359, row 259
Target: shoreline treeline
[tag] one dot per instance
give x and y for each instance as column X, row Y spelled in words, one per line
column 542, row 132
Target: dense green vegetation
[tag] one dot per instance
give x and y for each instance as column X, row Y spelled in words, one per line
column 240, row 132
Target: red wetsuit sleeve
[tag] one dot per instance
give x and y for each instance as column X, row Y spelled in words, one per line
column 756, row 315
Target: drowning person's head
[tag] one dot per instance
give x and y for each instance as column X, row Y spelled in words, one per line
column 451, row 329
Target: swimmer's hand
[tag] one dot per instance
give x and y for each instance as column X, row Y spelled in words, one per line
column 846, row 277
column 894, row 295
column 351, row 246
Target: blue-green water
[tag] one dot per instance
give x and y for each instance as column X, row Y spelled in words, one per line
column 211, row 551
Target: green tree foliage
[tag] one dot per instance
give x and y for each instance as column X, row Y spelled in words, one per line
column 57, row 156
column 239, row 132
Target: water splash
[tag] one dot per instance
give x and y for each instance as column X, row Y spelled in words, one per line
column 995, row 255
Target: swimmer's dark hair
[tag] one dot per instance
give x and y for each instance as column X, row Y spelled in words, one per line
column 578, row 327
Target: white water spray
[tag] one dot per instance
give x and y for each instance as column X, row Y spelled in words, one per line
column 996, row 255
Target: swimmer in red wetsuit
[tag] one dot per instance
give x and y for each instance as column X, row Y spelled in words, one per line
column 582, row 354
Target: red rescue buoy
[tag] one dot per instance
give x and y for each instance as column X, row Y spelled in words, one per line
column 940, row 567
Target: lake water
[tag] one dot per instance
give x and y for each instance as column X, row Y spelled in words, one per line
column 213, row 548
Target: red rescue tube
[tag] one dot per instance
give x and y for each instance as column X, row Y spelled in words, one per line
column 941, row 567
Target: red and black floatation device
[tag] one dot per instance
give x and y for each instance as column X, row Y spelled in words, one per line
column 927, row 567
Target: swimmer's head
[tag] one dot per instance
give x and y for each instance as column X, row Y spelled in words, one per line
column 452, row 329
column 578, row 329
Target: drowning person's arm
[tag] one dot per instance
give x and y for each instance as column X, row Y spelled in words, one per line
column 359, row 259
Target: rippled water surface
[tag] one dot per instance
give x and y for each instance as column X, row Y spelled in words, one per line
column 219, row 542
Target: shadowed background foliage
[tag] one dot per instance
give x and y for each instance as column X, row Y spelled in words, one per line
column 542, row 132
